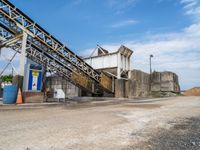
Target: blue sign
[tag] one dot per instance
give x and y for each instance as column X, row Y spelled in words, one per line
column 35, row 78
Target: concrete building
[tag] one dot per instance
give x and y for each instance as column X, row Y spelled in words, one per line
column 128, row 83
column 117, row 63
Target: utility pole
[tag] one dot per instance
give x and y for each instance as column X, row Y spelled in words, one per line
column 150, row 57
column 150, row 80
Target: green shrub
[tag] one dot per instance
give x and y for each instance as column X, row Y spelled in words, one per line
column 6, row 78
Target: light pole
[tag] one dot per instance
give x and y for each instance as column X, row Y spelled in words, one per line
column 150, row 57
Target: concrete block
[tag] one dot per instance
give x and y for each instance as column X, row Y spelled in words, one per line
column 168, row 86
column 167, row 76
column 156, row 77
column 130, row 90
column 155, row 87
column 142, row 83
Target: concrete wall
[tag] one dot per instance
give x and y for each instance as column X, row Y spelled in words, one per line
column 119, row 59
column 105, row 61
column 120, row 88
column 33, row 97
column 131, row 89
column 141, row 84
column 1, row 90
column 138, row 85
column 165, row 82
column 69, row 89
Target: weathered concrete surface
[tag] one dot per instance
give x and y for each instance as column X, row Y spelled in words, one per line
column 33, row 97
column 120, row 88
column 130, row 89
column 165, row 82
column 170, row 123
column 141, row 84
column 1, row 92
column 116, row 62
column 156, row 84
column 106, row 82
column 61, row 83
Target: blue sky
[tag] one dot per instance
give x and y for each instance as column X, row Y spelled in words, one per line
column 168, row 29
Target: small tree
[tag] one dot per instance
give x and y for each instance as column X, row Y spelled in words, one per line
column 6, row 78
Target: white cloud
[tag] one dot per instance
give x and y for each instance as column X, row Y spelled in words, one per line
column 120, row 6
column 178, row 52
column 193, row 30
column 124, row 23
column 192, row 8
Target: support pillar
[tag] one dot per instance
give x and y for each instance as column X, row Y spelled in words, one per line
column 113, row 84
column 23, row 55
column 119, row 66
column 120, row 88
column 129, row 68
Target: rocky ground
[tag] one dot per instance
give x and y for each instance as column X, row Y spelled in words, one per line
column 169, row 123
column 183, row 135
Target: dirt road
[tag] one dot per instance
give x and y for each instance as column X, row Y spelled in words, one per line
column 172, row 123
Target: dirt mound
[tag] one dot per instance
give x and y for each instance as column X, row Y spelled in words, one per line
column 193, row 92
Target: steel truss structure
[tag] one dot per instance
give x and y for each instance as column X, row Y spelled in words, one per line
column 45, row 49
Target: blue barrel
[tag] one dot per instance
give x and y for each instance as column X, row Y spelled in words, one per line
column 10, row 94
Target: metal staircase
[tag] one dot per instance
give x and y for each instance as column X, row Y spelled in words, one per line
column 45, row 49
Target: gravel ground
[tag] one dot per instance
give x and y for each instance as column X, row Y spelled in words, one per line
column 183, row 135
column 172, row 123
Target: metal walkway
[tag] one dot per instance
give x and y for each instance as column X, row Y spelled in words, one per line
column 18, row 32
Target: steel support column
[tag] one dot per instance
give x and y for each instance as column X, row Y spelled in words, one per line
column 23, row 54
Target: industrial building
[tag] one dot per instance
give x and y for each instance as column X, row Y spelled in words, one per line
column 101, row 74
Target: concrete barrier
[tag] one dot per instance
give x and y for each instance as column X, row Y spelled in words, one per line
column 120, row 88
column 142, row 84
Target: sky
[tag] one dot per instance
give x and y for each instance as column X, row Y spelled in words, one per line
column 168, row 29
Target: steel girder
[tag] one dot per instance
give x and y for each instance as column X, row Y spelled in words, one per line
column 45, row 49
column 39, row 57
column 22, row 22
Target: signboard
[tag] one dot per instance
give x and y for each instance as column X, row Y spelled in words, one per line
column 35, row 78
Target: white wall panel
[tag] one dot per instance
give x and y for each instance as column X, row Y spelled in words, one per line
column 108, row 61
